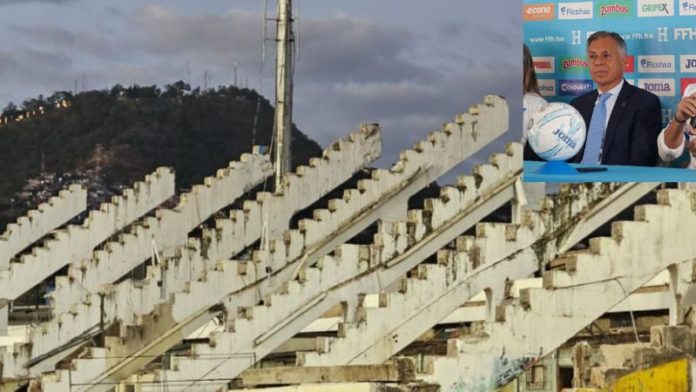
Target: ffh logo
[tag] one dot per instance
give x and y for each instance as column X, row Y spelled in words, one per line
column 576, row 36
column 662, row 34
column 684, row 33
column 666, row 115
column 687, row 7
column 687, row 63
column 542, row 11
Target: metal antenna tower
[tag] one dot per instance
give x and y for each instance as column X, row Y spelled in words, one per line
column 282, row 125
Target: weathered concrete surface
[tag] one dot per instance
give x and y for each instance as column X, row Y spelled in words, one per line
column 602, row 276
column 399, row 370
column 499, row 253
column 352, row 270
column 76, row 243
column 442, row 151
column 77, row 311
column 39, row 222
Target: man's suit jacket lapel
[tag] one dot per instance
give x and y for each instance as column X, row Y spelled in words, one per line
column 616, row 114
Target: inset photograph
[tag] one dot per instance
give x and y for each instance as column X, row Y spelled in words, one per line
column 609, row 91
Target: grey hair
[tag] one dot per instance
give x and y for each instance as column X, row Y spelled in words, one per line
column 607, row 34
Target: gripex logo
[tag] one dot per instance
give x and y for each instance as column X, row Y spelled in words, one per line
column 582, row 10
column 659, row 87
column 647, row 8
column 656, row 63
column 573, row 87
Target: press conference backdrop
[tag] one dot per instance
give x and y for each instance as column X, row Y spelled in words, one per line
column 660, row 37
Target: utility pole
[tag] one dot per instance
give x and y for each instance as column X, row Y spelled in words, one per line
column 282, row 125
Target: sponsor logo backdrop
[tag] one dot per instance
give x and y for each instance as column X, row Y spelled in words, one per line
column 660, row 37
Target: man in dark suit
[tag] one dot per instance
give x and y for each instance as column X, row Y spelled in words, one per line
column 622, row 121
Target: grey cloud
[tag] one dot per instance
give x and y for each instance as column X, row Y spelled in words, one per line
column 56, row 2
column 86, row 42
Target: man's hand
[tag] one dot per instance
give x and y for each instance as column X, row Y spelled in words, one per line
column 692, row 147
column 686, row 109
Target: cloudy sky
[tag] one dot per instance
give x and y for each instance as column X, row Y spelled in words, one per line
column 409, row 65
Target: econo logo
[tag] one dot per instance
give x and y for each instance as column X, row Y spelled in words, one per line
column 543, row 11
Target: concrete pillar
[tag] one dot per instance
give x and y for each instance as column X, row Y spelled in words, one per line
column 4, row 317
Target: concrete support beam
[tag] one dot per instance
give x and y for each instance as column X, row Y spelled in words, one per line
column 435, row 156
column 352, row 270
column 600, row 277
column 75, row 243
column 76, row 311
column 39, row 222
column 400, row 370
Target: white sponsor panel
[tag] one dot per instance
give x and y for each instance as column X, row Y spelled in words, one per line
column 580, row 10
column 544, row 64
column 650, row 8
column 547, row 87
column 656, row 63
column 687, row 63
column 659, row 87
column 687, row 7
column 630, row 81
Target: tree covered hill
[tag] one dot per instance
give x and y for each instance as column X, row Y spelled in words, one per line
column 123, row 133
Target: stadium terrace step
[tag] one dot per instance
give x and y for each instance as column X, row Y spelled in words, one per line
column 76, row 312
column 398, row 248
column 544, row 318
column 38, row 222
column 76, row 242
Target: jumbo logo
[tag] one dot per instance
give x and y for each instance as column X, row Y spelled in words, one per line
column 573, row 63
column 615, row 8
column 542, row 11
column 564, row 138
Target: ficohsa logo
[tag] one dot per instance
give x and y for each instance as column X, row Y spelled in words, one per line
column 547, row 87
column 582, row 10
column 573, row 87
column 687, row 63
column 687, row 7
column 659, row 87
column 655, row 8
column 656, row 63
column 542, row 11
column 544, row 64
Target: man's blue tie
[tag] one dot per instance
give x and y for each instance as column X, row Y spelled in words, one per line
column 595, row 135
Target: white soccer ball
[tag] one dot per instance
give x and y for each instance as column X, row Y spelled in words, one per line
column 557, row 132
